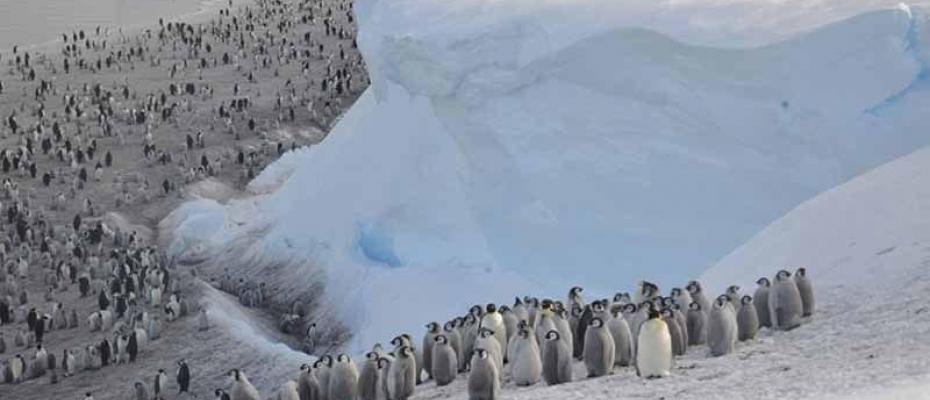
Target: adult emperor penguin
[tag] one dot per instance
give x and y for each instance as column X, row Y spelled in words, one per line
column 484, row 378
column 785, row 304
column 747, row 320
column 806, row 290
column 494, row 321
column 18, row 368
column 160, row 385
column 760, row 300
column 697, row 294
column 697, row 324
column 487, row 341
column 599, row 349
column 653, row 348
column 429, row 340
column 184, row 377
column 288, row 391
column 620, row 333
column 242, row 389
column 343, row 379
column 721, row 327
column 402, row 374
column 526, row 366
column 369, row 378
column 556, row 359
column 445, row 364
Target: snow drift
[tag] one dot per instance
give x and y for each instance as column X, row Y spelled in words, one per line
column 533, row 145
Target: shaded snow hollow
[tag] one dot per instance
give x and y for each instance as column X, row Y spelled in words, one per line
column 510, row 147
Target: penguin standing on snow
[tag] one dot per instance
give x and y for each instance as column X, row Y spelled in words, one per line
column 806, row 290
column 556, row 359
column 307, row 386
column 599, row 353
column 785, row 304
column 160, row 386
column 402, row 374
column 142, row 392
column 444, row 361
column 760, row 299
column 184, row 377
column 721, row 327
column 526, row 366
column 484, row 379
column 242, row 389
column 697, row 324
column 343, row 379
column 429, row 340
column 747, row 322
column 654, row 348
column 369, row 378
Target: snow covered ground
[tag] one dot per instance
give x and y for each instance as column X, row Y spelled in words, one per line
column 509, row 147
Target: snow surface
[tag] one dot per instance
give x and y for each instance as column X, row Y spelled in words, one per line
column 514, row 146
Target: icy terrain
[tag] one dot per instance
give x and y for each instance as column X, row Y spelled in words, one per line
column 505, row 147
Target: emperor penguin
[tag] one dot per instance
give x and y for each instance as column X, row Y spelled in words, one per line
column 785, row 304
column 574, row 298
column 526, row 365
column 510, row 321
column 697, row 324
column 599, row 349
column 645, row 291
column 520, row 311
column 18, row 368
column 70, row 363
column 369, row 378
column 733, row 295
column 721, row 327
column 556, row 359
column 160, row 385
column 183, row 377
column 806, row 290
column 220, row 394
column 307, row 386
column 402, row 374
column 760, row 299
column 484, row 378
column 142, row 392
column 343, row 379
column 674, row 331
column 697, row 294
column 682, row 320
column 242, row 389
column 653, row 348
column 623, row 338
column 288, row 391
column 747, row 320
column 429, row 340
column 203, row 323
column 452, row 334
column 322, row 368
column 565, row 330
column 545, row 322
column 487, row 341
column 681, row 297
column 444, row 361
column 494, row 321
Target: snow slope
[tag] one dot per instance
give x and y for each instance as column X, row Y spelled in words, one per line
column 505, row 147
column 867, row 246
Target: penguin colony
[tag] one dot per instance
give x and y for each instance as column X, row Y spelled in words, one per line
column 535, row 341
column 118, row 121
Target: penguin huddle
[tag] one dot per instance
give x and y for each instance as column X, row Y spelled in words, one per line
column 535, row 341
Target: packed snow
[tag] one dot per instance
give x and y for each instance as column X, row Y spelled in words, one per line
column 528, row 146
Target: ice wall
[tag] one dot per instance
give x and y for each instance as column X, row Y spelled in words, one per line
column 512, row 146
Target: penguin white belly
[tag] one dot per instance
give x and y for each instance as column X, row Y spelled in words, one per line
column 654, row 350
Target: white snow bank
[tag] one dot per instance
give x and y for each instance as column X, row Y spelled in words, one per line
column 865, row 234
column 532, row 145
